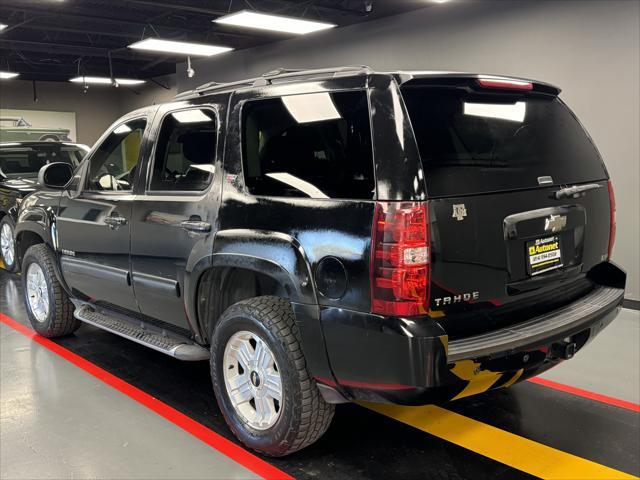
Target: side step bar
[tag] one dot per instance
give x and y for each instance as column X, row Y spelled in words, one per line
column 158, row 339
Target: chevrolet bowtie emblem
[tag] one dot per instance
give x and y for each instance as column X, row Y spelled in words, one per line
column 555, row 223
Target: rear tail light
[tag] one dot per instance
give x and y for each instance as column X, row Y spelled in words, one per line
column 400, row 259
column 504, row 83
column 612, row 218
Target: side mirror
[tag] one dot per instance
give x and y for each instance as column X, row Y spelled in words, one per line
column 55, row 175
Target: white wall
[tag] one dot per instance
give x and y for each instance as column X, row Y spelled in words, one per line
column 591, row 49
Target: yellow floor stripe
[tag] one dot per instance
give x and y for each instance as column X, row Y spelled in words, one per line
column 507, row 448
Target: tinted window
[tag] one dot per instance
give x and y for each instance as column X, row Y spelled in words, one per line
column 186, row 151
column 471, row 143
column 26, row 161
column 113, row 165
column 314, row 145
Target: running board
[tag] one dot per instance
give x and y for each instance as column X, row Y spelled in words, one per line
column 158, row 339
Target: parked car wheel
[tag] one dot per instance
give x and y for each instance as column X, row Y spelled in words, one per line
column 49, row 309
column 8, row 244
column 49, row 138
column 261, row 381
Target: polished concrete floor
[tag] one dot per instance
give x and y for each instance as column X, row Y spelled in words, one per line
column 58, row 421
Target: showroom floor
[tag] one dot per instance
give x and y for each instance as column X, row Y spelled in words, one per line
column 94, row 405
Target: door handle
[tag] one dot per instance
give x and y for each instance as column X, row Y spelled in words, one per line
column 196, row 226
column 115, row 221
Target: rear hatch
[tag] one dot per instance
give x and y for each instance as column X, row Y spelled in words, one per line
column 519, row 200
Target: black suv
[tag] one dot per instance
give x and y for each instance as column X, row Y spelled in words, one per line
column 334, row 235
column 20, row 163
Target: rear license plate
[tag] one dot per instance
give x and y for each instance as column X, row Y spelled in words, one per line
column 544, row 254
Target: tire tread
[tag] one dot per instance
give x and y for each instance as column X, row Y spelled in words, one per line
column 314, row 413
column 62, row 321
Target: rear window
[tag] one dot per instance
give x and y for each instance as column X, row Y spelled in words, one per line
column 314, row 145
column 476, row 142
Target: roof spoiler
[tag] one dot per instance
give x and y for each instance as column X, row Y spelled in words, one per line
column 479, row 82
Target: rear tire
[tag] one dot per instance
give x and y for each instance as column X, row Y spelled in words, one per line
column 48, row 307
column 301, row 416
column 8, row 244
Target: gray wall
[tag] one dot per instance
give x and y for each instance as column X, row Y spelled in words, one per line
column 589, row 48
column 95, row 110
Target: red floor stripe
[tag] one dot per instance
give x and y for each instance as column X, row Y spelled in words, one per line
column 598, row 397
column 211, row 438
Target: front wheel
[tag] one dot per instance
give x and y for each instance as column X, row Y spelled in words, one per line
column 7, row 244
column 261, row 381
column 48, row 307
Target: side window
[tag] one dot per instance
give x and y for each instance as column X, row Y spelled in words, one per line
column 314, row 145
column 113, row 165
column 185, row 151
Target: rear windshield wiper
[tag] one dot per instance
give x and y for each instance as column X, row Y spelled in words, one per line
column 575, row 191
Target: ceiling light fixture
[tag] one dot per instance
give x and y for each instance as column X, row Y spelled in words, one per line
column 276, row 23
column 106, row 80
column 3, row 26
column 182, row 48
column 8, row 75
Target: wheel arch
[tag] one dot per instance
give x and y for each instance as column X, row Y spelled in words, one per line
column 247, row 263
column 265, row 263
column 28, row 235
column 31, row 232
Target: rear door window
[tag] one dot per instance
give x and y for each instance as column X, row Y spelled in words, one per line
column 478, row 142
column 314, row 145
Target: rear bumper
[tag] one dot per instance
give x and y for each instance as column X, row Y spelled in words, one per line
column 555, row 325
column 410, row 361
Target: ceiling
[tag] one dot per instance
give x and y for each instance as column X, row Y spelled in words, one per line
column 55, row 40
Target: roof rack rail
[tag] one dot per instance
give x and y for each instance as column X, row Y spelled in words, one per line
column 268, row 77
column 280, row 71
column 207, row 85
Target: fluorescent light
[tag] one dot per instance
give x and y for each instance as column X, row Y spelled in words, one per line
column 7, row 75
column 183, row 48
column 106, row 80
column 191, row 116
column 513, row 112
column 277, row 23
column 3, row 26
column 311, row 107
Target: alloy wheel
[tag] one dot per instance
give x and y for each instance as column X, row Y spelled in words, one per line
column 253, row 380
column 7, row 244
column 37, row 292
